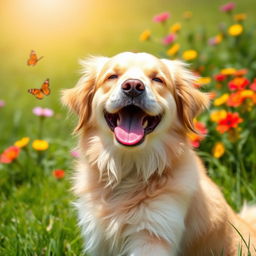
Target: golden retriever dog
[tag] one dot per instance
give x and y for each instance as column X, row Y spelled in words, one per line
column 142, row 190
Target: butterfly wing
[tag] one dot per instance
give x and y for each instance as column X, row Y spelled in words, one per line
column 45, row 88
column 37, row 93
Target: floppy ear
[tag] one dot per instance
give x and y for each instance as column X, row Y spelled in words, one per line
column 190, row 101
column 79, row 99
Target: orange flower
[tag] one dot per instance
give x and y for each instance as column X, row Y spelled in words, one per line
column 194, row 138
column 235, row 99
column 241, row 72
column 9, row 155
column 238, row 83
column 218, row 150
column 58, row 173
column 230, row 121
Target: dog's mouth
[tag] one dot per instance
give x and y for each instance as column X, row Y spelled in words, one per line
column 131, row 124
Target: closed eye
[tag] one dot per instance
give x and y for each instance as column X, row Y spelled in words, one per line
column 112, row 77
column 157, row 79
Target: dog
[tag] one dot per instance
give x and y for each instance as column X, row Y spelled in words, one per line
column 141, row 189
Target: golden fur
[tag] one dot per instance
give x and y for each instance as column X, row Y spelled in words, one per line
column 154, row 198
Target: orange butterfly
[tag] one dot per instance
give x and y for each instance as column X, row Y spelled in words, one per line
column 33, row 59
column 44, row 90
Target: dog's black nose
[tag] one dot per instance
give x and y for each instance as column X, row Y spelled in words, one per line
column 133, row 87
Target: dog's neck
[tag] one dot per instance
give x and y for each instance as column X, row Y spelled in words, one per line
column 116, row 164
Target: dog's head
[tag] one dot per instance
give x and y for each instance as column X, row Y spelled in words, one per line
column 135, row 101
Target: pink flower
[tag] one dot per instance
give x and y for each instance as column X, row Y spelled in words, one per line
column 228, row 7
column 162, row 17
column 74, row 153
column 2, row 103
column 169, row 39
column 46, row 112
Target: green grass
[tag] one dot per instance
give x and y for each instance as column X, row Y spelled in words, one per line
column 37, row 216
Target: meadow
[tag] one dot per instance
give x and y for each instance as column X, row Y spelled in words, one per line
column 37, row 150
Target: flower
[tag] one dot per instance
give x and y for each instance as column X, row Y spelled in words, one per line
column 173, row 50
column 187, row 15
column 22, row 142
column 58, row 173
column 221, row 100
column 46, row 112
column 238, row 83
column 169, row 39
column 240, row 17
column 235, row 99
column 176, row 27
column 228, row 71
column 253, row 85
column 145, row 35
column 235, row 30
column 220, row 77
column 40, row 145
column 195, row 138
column 162, row 17
column 227, row 7
column 9, row 155
column 230, row 121
column 203, row 81
column 238, row 98
column 218, row 150
column 2, row 103
column 189, row 55
column 217, row 115
column 215, row 40
column 74, row 153
column 241, row 72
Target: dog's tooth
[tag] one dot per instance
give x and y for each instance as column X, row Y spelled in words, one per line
column 118, row 121
column 145, row 124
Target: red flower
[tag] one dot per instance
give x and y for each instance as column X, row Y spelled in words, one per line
column 238, row 83
column 220, row 77
column 9, row 155
column 253, row 85
column 230, row 121
column 58, row 173
column 194, row 138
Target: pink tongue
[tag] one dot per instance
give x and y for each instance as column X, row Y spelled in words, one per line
column 130, row 131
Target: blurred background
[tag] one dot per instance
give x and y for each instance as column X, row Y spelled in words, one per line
column 35, row 203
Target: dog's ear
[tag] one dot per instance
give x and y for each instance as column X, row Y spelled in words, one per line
column 190, row 101
column 79, row 99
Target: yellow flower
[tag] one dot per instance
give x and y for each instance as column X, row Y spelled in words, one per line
column 189, row 55
column 247, row 93
column 187, row 15
column 203, row 80
column 240, row 17
column 217, row 115
column 221, row 100
column 145, row 35
column 22, row 142
column 235, row 30
column 173, row 50
column 218, row 150
column 228, row 71
column 40, row 145
column 175, row 27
